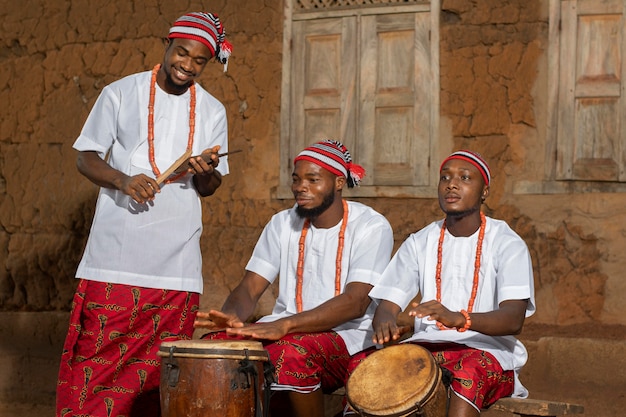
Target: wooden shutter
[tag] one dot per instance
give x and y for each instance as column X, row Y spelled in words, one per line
column 367, row 76
column 396, row 99
column 591, row 139
column 324, row 80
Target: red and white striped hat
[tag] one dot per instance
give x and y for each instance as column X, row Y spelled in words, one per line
column 334, row 157
column 474, row 159
column 205, row 28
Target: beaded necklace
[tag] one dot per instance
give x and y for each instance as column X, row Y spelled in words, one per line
column 192, row 123
column 300, row 267
column 479, row 248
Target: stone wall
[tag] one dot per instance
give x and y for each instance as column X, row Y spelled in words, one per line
column 56, row 55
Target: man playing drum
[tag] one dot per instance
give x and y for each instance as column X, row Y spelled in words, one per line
column 474, row 277
column 328, row 253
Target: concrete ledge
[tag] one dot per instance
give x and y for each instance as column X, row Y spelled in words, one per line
column 559, row 360
column 530, row 407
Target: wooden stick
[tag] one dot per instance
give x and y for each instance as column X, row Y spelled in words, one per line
column 184, row 157
column 207, row 159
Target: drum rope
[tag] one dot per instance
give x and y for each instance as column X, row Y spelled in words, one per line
column 268, row 373
column 248, row 368
column 173, row 371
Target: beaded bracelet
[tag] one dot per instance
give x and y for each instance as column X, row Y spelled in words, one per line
column 468, row 321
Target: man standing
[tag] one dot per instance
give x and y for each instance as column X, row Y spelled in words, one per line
column 475, row 280
column 141, row 272
column 328, row 253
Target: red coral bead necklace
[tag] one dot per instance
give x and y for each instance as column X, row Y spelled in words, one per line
column 479, row 246
column 300, row 265
column 192, row 123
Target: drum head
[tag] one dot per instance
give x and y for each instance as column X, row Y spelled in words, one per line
column 393, row 380
column 214, row 349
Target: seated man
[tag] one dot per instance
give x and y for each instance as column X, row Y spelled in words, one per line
column 328, row 253
column 474, row 276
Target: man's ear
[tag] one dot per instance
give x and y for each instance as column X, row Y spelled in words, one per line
column 485, row 193
column 339, row 182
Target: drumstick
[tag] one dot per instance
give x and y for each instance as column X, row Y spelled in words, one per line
column 228, row 153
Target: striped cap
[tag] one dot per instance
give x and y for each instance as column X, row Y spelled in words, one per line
column 205, row 28
column 334, row 157
column 474, row 159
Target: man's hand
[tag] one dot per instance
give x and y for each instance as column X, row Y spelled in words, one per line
column 140, row 188
column 206, row 178
column 385, row 324
column 434, row 310
column 206, row 162
column 262, row 331
column 216, row 320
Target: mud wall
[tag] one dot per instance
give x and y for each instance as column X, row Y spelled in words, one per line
column 56, row 55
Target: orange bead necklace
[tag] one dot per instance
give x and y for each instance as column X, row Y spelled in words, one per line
column 479, row 249
column 192, row 123
column 300, row 267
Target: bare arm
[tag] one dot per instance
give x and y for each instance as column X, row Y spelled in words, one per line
column 508, row 319
column 238, row 307
column 243, row 300
column 351, row 304
column 207, row 184
column 140, row 187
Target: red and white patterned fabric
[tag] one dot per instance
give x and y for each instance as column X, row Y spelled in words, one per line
column 109, row 365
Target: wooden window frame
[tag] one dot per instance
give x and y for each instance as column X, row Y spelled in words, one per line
column 556, row 177
column 283, row 191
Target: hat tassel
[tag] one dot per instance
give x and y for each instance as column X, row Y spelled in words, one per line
column 224, row 53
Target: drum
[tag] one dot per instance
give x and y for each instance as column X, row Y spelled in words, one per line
column 214, row 378
column 399, row 380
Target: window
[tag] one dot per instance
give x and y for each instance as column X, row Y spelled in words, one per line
column 365, row 73
column 586, row 135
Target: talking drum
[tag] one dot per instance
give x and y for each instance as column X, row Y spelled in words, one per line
column 213, row 378
column 399, row 380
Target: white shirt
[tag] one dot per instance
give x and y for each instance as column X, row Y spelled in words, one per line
column 366, row 252
column 505, row 274
column 157, row 244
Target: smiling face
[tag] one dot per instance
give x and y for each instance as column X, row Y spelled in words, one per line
column 314, row 188
column 183, row 62
column 461, row 188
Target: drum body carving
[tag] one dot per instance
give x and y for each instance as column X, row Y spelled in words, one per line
column 399, row 380
column 213, row 378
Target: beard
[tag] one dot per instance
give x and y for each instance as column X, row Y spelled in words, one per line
column 461, row 213
column 170, row 85
column 314, row 212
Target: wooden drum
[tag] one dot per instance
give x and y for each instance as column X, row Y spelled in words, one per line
column 399, row 380
column 213, row 378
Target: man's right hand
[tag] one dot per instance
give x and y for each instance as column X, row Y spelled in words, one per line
column 386, row 326
column 140, row 188
column 215, row 320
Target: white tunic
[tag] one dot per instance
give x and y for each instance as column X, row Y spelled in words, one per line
column 157, row 244
column 366, row 252
column 505, row 274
